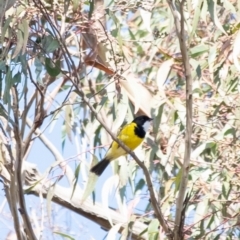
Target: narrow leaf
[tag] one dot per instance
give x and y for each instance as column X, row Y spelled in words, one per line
column 212, row 6
column 153, row 229
column 64, row 235
column 53, row 69
column 50, row 195
column 163, row 73
column 76, row 174
column 92, row 179
column 196, row 18
column 19, row 43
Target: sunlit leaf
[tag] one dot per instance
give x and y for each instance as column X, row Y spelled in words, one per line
column 20, row 43
column 120, row 107
column 123, row 173
column 212, row 5
column 112, row 234
column 109, row 185
column 50, row 195
column 69, row 115
column 137, row 93
column 196, row 17
column 198, row 50
column 236, row 51
column 5, row 27
column 153, row 229
column 177, row 180
column 24, row 27
column 163, row 72
column 92, row 179
column 146, row 17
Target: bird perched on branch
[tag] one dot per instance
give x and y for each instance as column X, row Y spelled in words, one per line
column 131, row 135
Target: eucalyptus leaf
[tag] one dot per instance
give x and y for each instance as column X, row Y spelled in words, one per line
column 53, row 69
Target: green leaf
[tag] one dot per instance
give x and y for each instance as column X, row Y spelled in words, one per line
column 116, row 32
column 144, row 231
column 69, row 115
column 141, row 183
column 120, row 107
column 196, row 18
column 5, row 27
column 24, row 27
column 16, row 78
column 198, row 50
column 92, row 179
column 158, row 118
column 76, row 174
column 28, row 190
column 38, row 68
column 64, row 235
column 49, row 44
column 53, row 70
column 76, row 4
column 2, row 65
column 212, row 7
column 6, row 94
column 226, row 188
column 153, row 229
column 20, row 43
column 177, row 180
column 91, row 8
column 201, row 148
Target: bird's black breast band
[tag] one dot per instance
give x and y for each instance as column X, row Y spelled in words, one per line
column 139, row 131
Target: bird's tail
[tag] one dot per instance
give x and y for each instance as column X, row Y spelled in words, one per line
column 100, row 167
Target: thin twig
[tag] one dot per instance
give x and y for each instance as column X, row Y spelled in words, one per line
column 179, row 224
column 18, row 168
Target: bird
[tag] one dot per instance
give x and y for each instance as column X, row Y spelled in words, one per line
column 131, row 135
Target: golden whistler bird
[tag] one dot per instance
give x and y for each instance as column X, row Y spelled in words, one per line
column 131, row 135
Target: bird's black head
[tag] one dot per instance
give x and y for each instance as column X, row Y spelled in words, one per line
column 140, row 120
column 143, row 122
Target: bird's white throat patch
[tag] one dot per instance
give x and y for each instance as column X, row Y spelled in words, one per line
column 146, row 126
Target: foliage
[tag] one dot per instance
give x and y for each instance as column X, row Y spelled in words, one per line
column 58, row 59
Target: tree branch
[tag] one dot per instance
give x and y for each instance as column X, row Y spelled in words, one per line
column 17, row 178
column 94, row 212
column 178, row 229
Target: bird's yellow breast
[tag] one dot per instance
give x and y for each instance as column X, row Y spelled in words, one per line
column 128, row 137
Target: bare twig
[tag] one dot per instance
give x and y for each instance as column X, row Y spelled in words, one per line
column 178, row 233
column 18, row 168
